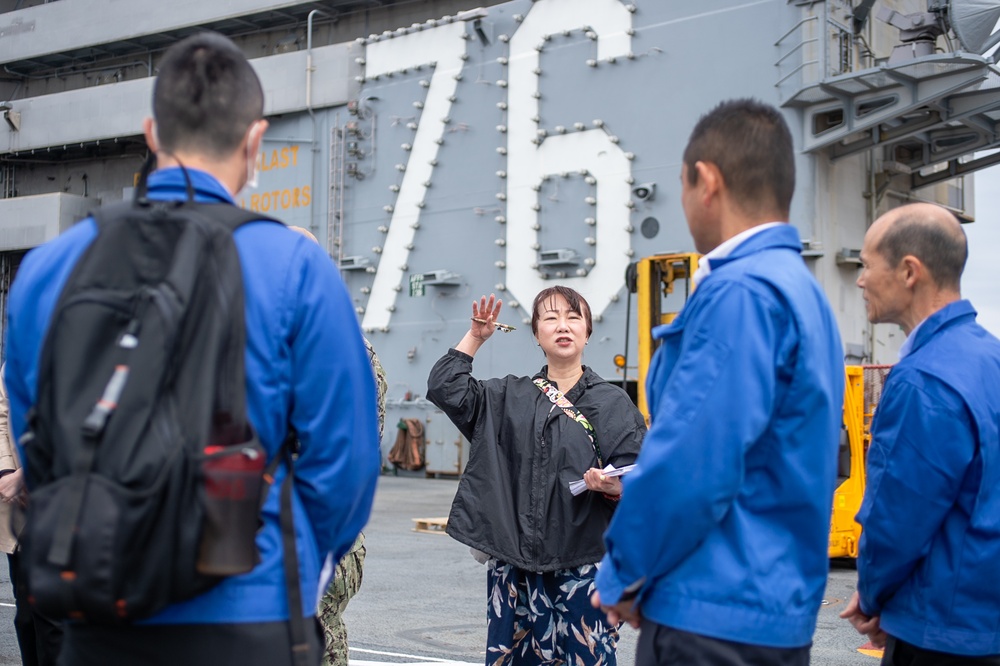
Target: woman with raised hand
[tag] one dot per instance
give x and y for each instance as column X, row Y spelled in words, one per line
column 531, row 437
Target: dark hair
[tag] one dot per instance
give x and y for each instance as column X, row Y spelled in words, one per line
column 942, row 248
column 577, row 304
column 206, row 96
column 750, row 143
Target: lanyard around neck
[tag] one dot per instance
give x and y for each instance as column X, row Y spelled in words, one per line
column 557, row 398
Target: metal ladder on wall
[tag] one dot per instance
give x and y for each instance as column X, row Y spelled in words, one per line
column 335, row 207
column 7, row 177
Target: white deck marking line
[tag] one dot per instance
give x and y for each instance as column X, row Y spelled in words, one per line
column 408, row 656
column 360, row 662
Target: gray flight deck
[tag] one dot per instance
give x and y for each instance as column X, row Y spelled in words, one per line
column 423, row 596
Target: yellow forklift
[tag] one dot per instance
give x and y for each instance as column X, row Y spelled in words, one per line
column 662, row 283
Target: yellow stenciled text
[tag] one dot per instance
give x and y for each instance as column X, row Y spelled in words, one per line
column 279, row 158
column 290, row 197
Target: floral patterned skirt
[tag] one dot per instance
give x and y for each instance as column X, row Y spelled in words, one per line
column 546, row 618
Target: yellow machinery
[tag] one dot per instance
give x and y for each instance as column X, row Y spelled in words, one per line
column 844, row 530
column 652, row 279
column 655, row 280
column 861, row 395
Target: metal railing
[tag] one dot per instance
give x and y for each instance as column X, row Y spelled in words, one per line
column 815, row 48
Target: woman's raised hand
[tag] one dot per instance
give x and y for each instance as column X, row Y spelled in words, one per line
column 484, row 317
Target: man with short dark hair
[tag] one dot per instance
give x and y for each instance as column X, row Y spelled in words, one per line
column 929, row 556
column 719, row 544
column 306, row 368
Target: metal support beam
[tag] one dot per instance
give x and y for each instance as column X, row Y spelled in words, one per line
column 955, row 168
column 860, row 15
column 947, row 75
column 883, row 135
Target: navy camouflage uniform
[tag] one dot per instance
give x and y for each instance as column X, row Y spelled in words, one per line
column 347, row 580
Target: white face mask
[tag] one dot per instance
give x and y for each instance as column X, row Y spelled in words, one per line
column 252, row 171
column 252, row 180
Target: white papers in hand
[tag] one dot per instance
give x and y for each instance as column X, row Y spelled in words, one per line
column 577, row 487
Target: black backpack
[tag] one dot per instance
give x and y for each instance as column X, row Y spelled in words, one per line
column 146, row 478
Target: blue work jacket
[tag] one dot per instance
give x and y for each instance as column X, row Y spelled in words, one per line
column 306, row 365
column 725, row 523
column 929, row 556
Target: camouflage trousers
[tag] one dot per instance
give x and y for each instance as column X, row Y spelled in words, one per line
column 345, row 585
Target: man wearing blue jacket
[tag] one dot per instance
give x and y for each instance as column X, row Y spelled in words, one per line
column 306, row 367
column 719, row 544
column 929, row 555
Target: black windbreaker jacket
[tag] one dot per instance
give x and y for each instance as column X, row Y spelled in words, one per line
column 513, row 500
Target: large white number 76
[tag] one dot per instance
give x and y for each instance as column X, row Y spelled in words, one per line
column 442, row 46
column 594, row 150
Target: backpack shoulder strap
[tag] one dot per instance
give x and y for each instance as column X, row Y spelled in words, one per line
column 297, row 625
column 112, row 212
column 228, row 214
column 232, row 216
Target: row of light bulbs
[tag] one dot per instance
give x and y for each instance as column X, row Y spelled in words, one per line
column 445, row 20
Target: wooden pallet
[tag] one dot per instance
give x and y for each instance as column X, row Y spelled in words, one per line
column 430, row 525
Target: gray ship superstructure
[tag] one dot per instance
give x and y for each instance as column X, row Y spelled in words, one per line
column 444, row 149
